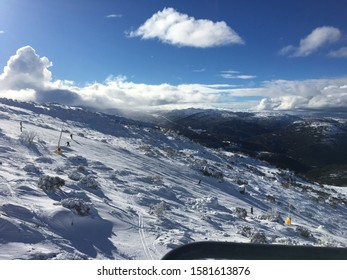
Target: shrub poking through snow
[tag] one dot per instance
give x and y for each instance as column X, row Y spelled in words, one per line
column 170, row 152
column 205, row 203
column 90, row 182
column 241, row 212
column 304, row 232
column 259, row 238
column 49, row 183
column 81, row 168
column 75, row 176
column 158, row 209
column 27, row 137
column 211, row 172
column 81, row 207
column 272, row 216
column 245, row 231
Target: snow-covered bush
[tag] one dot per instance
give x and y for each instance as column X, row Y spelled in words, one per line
column 27, row 137
column 170, row 152
column 81, row 168
column 158, row 209
column 211, row 172
column 218, row 175
column 206, row 218
column 245, row 231
column 150, row 151
column 75, row 176
column 272, row 216
column 211, row 201
column 259, row 238
column 241, row 182
column 241, row 213
column 80, row 206
column 270, row 198
column 205, row 203
column 49, row 183
column 206, row 171
column 89, row 182
column 304, row 232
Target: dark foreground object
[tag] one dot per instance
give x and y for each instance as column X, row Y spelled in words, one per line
column 248, row 251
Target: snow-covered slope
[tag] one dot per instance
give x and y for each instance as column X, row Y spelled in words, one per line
column 128, row 190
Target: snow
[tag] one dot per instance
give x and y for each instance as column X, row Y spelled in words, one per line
column 135, row 191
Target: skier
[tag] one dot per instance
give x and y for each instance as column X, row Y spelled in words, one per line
column 68, row 143
column 71, row 136
column 21, row 126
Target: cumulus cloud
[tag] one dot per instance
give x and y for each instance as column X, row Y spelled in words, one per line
column 26, row 69
column 318, row 38
column 179, row 29
column 307, row 94
column 27, row 77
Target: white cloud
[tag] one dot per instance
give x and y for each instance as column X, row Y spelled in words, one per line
column 22, row 94
column 179, row 29
column 2, row 32
column 26, row 69
column 307, row 94
column 318, row 38
column 118, row 92
column 342, row 52
column 26, row 77
column 114, row 16
column 231, row 74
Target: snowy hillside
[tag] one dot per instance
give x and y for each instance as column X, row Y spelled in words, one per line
column 129, row 190
column 310, row 143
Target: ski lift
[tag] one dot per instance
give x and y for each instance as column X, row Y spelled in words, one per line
column 58, row 151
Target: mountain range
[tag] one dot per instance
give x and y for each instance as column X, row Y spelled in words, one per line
column 312, row 144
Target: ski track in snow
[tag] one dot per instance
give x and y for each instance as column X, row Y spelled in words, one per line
column 142, row 235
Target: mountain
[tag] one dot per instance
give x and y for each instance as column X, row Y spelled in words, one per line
column 126, row 189
column 311, row 144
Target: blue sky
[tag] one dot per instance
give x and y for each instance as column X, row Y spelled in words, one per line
column 224, row 53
